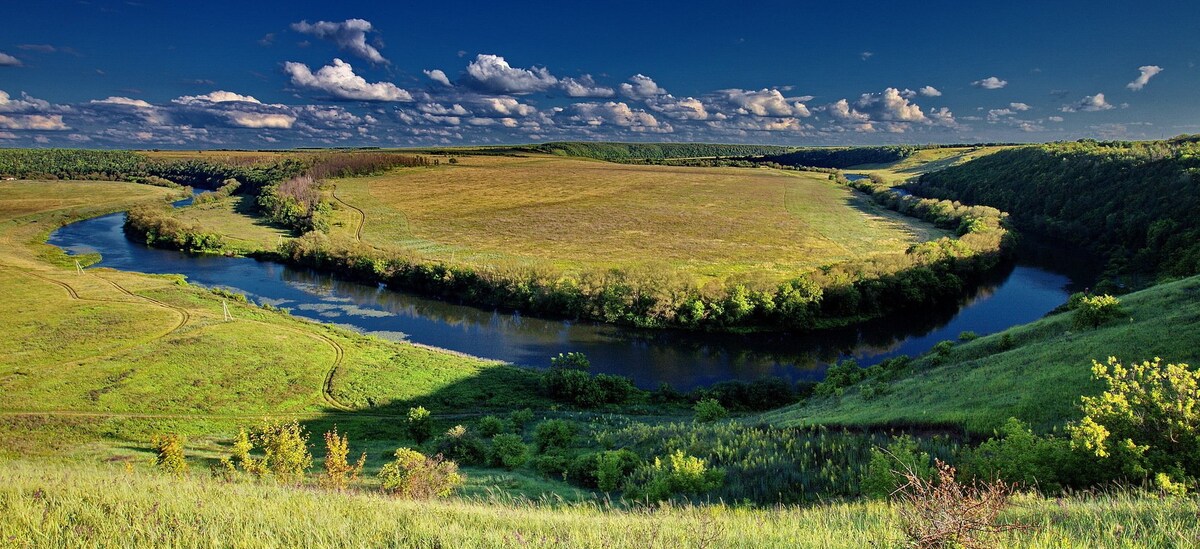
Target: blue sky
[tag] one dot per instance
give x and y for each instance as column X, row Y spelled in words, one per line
column 304, row 73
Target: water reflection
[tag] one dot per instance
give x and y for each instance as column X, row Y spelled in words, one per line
column 1016, row 295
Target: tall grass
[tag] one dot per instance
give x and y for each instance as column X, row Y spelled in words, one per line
column 49, row 505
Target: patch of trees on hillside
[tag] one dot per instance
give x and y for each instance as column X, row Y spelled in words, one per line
column 1132, row 203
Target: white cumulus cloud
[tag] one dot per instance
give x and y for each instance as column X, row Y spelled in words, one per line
column 930, row 91
column 764, row 102
column 339, row 81
column 585, row 86
column 438, row 76
column 7, row 60
column 493, row 73
column 641, row 86
column 1091, row 103
column 128, row 102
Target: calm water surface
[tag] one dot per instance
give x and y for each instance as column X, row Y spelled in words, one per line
column 1016, row 295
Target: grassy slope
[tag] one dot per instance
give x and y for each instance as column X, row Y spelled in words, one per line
column 924, row 161
column 1039, row 381
column 572, row 213
column 234, row 219
column 46, row 505
column 108, row 358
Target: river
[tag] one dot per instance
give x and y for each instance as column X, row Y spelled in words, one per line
column 1015, row 295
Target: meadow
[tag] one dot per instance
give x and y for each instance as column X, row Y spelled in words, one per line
column 574, row 214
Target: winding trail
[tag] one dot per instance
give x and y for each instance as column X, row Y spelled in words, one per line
column 362, row 216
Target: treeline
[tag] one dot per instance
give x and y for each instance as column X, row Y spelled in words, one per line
column 624, row 152
column 842, row 157
column 1132, row 203
column 360, row 164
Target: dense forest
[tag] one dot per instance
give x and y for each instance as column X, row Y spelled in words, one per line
column 843, row 157
column 1134, row 204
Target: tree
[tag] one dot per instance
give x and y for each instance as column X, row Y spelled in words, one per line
column 1147, row 421
column 285, row 451
column 338, row 471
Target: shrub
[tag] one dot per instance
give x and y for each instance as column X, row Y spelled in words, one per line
column 461, row 445
column 285, row 450
column 508, row 451
column 1093, row 311
column 420, row 424
column 887, row 469
column 570, row 361
column 168, row 454
column 941, row 512
column 679, row 475
column 1147, row 421
column 553, row 464
column 520, row 418
column 490, row 426
column 613, row 467
column 968, row 336
column 709, row 410
column 839, row 376
column 553, row 434
column 1019, row 457
column 338, row 472
column 413, row 475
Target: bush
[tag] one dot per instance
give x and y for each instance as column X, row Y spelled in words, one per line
column 168, row 454
column 461, row 445
column 679, row 475
column 839, row 376
column 1019, row 457
column 338, row 472
column 613, row 467
column 941, row 512
column 709, row 410
column 968, row 336
column 490, row 426
column 413, row 475
column 420, row 424
column 285, row 451
column 553, row 434
column 1147, row 421
column 886, row 471
column 520, row 418
column 508, row 451
column 554, row 464
column 1093, row 311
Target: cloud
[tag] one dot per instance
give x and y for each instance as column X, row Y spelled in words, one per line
column 585, row 86
column 492, row 73
column 7, row 60
column 33, row 122
column 688, row 108
column 40, row 48
column 504, row 106
column 616, row 114
column 438, row 76
column 990, row 83
column 764, row 102
column 1055, row 118
column 1147, row 72
column 642, row 87
column 125, row 101
column 349, row 35
column 261, row 120
column 1022, row 107
column 1091, row 103
column 890, row 106
column 219, row 96
column 866, row 55
column 930, row 91
column 339, row 81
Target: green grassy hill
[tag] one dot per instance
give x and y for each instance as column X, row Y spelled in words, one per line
column 979, row 385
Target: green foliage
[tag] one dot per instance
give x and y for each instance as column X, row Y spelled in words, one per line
column 413, row 475
column 520, row 418
column 1131, row 203
column 156, row 227
column 1018, row 456
column 967, row 336
column 284, row 446
column 709, row 410
column 553, row 434
column 490, row 426
column 568, row 380
column 613, row 468
column 419, row 424
column 838, row 157
column 886, row 471
column 626, row 152
column 1093, row 311
column 508, row 451
column 570, row 361
column 680, row 475
column 461, row 445
column 839, row 376
column 168, row 453
column 1147, row 421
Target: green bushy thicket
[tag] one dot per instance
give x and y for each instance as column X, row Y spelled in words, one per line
column 155, row 226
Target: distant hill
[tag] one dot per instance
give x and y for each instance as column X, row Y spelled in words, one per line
column 621, row 152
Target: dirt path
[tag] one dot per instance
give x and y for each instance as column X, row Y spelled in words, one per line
column 362, row 216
